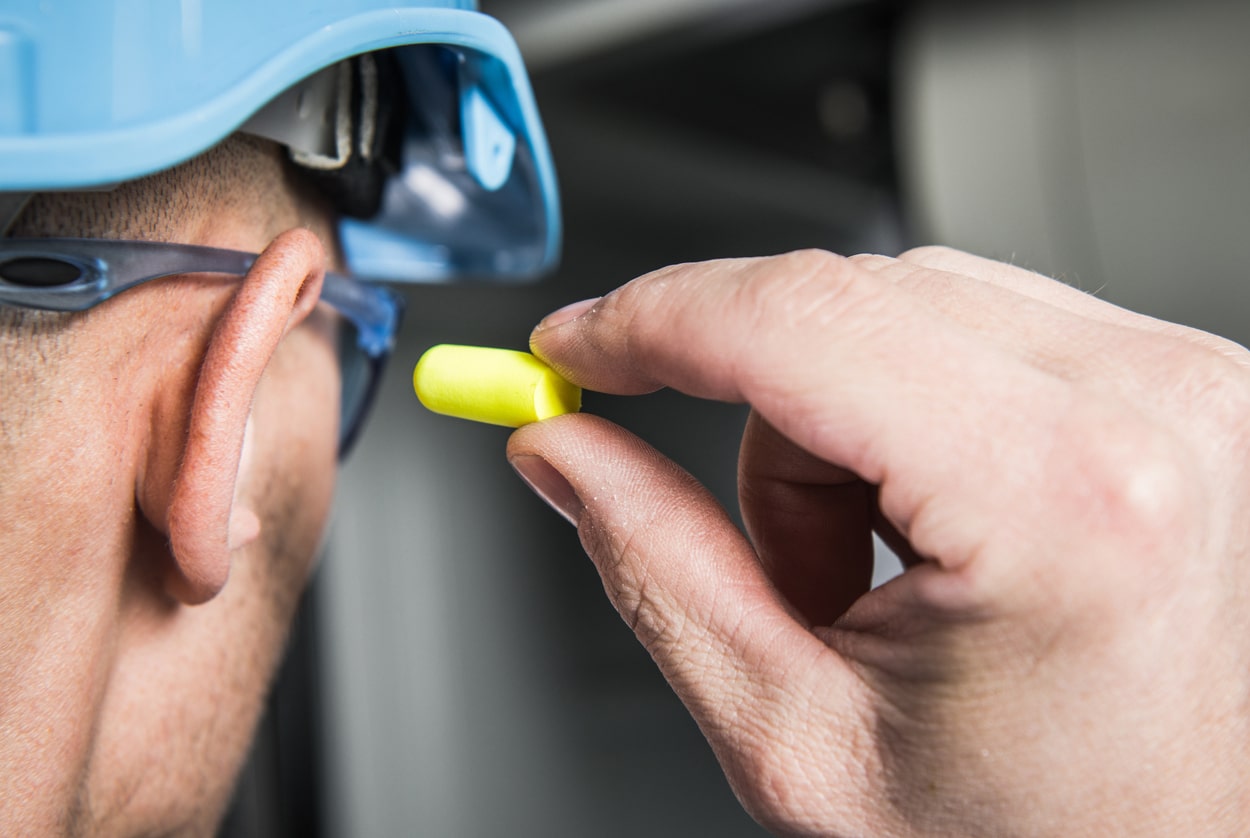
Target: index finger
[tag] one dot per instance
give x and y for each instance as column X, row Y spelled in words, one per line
column 832, row 355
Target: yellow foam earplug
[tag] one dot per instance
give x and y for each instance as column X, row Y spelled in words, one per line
column 498, row 386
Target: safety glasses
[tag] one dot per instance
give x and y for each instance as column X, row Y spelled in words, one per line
column 77, row 274
column 474, row 195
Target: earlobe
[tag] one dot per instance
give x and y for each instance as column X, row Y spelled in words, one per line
column 204, row 518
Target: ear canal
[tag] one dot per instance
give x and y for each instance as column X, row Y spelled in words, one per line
column 205, row 522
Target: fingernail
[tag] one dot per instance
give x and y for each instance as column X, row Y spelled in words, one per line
column 549, row 485
column 569, row 312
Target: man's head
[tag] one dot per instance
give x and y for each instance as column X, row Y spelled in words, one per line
column 120, row 704
column 169, row 452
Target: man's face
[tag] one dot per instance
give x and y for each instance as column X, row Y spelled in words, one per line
column 123, row 710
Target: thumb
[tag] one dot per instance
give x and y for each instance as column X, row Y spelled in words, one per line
column 691, row 587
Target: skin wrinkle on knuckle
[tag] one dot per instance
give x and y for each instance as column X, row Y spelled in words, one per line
column 639, row 317
column 658, row 624
column 764, row 759
column 685, row 637
column 710, row 331
column 923, row 282
column 787, row 781
column 871, row 261
column 809, row 298
column 934, row 255
column 1213, row 390
column 803, row 291
column 933, row 286
column 627, row 581
column 623, row 328
column 1230, row 351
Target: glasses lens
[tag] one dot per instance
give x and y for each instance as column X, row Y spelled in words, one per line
column 370, row 318
column 357, row 372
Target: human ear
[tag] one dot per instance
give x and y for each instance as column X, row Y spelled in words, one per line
column 199, row 511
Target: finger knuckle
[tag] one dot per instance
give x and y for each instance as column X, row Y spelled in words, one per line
column 1134, row 481
column 780, row 778
column 627, row 581
column 646, row 310
column 1214, row 390
column 810, row 290
column 932, row 255
column 660, row 629
column 871, row 260
column 766, row 768
column 811, row 261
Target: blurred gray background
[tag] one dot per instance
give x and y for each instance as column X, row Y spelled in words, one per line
column 457, row 670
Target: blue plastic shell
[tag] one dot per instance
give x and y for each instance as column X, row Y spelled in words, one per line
column 94, row 93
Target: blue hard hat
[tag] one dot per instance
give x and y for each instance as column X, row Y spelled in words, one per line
column 95, row 93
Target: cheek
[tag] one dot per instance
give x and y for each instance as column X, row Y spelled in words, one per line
column 296, row 425
column 299, row 397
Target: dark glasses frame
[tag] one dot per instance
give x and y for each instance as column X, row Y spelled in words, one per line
column 77, row 274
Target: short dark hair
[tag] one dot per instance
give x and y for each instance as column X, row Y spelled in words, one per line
column 242, row 174
column 153, row 207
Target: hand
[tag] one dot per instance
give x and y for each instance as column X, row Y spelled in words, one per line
column 1068, row 651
